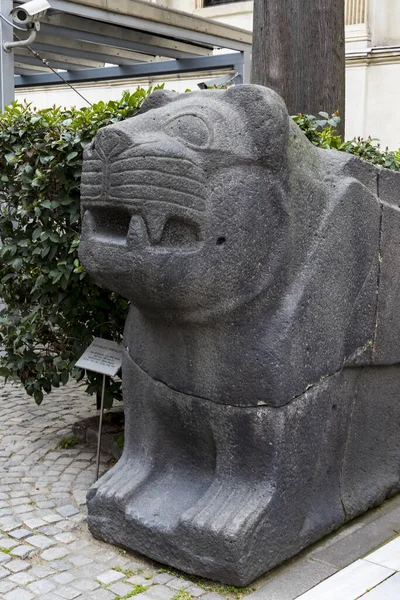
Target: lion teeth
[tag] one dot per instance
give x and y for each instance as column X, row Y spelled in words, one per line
column 155, row 222
column 137, row 234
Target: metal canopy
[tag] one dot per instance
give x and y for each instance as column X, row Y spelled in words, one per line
column 98, row 40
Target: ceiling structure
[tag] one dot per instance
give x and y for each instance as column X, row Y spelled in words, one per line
column 99, row 40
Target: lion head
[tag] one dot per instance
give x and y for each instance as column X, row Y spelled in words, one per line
column 183, row 205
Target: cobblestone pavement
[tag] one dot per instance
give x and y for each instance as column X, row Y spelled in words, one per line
column 46, row 550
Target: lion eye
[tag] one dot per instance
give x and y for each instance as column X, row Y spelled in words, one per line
column 192, row 130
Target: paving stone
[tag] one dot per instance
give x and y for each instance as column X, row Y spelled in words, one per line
column 81, row 561
column 92, row 570
column 68, row 592
column 67, row 511
column 22, row 551
column 178, row 584
column 52, row 518
column 40, row 541
column 19, row 534
column 43, row 586
column 100, row 595
column 120, row 588
column 157, row 592
column 46, row 504
column 80, row 497
column 85, row 585
column 4, row 558
column 138, row 580
column 163, row 577
column 42, row 571
column 49, row 530
column 214, row 596
column 23, row 509
column 60, row 565
column 35, row 523
column 65, row 537
column 110, row 577
column 18, row 501
column 8, row 543
column 8, row 524
column 3, row 572
column 195, row 591
column 17, row 565
column 64, row 578
column 19, row 595
column 23, row 578
column 6, row 586
column 54, row 553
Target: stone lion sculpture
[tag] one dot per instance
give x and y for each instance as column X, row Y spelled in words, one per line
column 260, row 373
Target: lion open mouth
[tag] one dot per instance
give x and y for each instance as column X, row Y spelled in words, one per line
column 154, row 226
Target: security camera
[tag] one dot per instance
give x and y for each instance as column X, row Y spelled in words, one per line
column 30, row 12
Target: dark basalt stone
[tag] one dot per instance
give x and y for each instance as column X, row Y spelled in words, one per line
column 260, row 375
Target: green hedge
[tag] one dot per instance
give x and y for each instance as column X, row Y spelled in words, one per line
column 52, row 308
column 322, row 133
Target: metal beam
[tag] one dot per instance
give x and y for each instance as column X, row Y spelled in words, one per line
column 31, row 60
column 28, row 69
column 6, row 58
column 21, row 70
column 156, row 69
column 53, row 58
column 78, row 54
column 119, row 37
column 147, row 16
column 115, row 56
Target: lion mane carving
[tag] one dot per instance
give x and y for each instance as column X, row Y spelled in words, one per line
column 257, row 342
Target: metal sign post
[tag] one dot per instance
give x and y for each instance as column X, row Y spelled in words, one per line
column 103, row 391
column 102, row 356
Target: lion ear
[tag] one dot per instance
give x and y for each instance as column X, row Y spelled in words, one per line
column 259, row 101
column 266, row 116
column 157, row 99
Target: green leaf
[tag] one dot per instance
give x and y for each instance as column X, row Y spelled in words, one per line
column 54, row 237
column 64, row 376
column 38, row 396
column 72, row 155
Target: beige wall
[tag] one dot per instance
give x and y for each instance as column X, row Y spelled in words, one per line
column 384, row 22
column 373, row 90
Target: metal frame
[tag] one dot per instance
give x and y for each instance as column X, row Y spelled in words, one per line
column 118, row 36
column 81, row 36
column 6, row 58
column 157, row 20
column 233, row 61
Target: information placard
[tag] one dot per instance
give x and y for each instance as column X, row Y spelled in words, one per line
column 102, row 356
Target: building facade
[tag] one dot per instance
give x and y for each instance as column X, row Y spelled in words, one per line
column 372, row 64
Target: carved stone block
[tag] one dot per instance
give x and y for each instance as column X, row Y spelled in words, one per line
column 260, row 375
